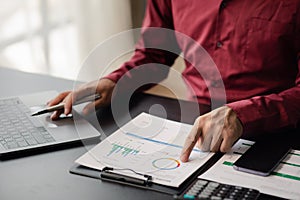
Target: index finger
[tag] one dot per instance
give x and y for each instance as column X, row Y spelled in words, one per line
column 58, row 99
column 190, row 143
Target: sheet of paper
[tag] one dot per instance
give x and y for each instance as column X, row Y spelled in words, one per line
column 284, row 181
column 148, row 145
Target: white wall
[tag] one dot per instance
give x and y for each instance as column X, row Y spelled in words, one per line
column 55, row 36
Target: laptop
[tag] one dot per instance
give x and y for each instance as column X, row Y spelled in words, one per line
column 21, row 132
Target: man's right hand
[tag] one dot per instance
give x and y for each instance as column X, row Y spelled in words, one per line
column 103, row 87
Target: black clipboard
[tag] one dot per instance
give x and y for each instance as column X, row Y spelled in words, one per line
column 143, row 183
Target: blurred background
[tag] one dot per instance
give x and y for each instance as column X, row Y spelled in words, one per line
column 54, row 37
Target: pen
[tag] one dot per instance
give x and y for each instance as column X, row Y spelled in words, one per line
column 61, row 105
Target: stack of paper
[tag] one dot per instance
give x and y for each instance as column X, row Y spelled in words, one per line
column 147, row 145
column 283, row 182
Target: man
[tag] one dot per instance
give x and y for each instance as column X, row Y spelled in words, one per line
column 255, row 45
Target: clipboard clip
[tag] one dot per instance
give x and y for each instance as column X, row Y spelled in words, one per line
column 108, row 174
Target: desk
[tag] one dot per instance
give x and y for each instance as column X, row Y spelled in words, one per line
column 45, row 176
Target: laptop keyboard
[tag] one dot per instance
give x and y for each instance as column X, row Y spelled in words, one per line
column 17, row 128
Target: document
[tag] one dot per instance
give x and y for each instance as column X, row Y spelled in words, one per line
column 147, row 145
column 283, row 182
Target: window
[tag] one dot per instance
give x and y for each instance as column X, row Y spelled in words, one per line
column 54, row 36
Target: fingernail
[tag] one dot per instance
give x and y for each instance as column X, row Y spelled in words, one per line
column 183, row 158
column 52, row 116
column 66, row 112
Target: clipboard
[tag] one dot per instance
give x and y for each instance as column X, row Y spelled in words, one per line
column 107, row 174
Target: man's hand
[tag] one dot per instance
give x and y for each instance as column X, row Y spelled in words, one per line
column 214, row 131
column 104, row 87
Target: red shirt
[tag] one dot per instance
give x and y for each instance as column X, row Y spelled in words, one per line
column 254, row 44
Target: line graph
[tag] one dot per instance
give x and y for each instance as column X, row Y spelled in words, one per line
column 158, row 142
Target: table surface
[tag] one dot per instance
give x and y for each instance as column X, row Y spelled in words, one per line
column 46, row 175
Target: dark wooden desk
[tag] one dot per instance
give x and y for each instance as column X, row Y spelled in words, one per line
column 46, row 175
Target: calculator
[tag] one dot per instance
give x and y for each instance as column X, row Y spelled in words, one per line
column 205, row 189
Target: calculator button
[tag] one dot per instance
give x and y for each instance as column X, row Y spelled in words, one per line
column 213, row 184
column 215, row 198
column 192, row 193
column 204, row 189
column 188, row 196
column 201, row 182
column 203, row 196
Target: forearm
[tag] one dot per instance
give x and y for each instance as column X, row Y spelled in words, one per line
column 146, row 61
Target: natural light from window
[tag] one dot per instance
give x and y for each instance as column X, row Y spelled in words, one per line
column 39, row 36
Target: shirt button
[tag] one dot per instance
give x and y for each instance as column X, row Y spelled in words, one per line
column 223, row 5
column 219, row 44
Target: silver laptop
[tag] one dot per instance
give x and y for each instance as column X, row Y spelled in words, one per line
column 19, row 131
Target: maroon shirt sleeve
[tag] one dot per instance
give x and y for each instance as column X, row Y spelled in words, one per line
column 274, row 111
